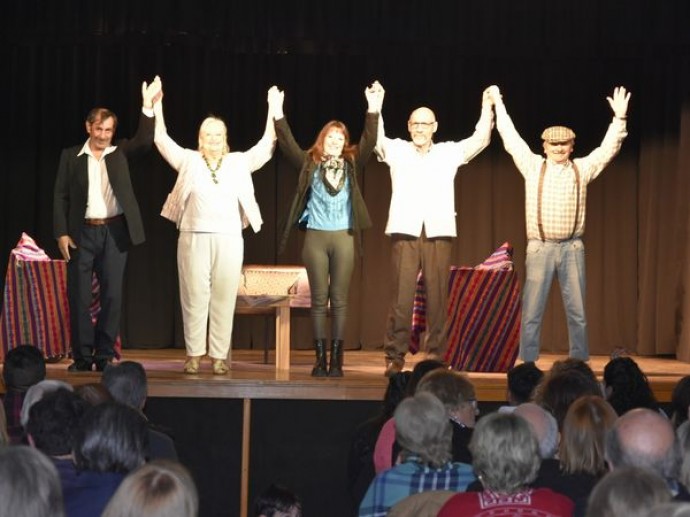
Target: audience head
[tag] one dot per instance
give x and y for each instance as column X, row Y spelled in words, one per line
column 643, row 438
column 583, row 439
column 680, row 401
column 629, row 492
column 455, row 391
column 505, row 452
column 127, row 383
column 420, row 370
column 626, row 386
column 94, row 393
column 53, row 421
column 161, row 488
column 571, row 363
column 24, row 366
column 543, row 425
column 395, row 392
column 422, row 429
column 522, row 381
column 561, row 388
column 29, row 484
column 37, row 392
column 277, row 501
column 111, row 437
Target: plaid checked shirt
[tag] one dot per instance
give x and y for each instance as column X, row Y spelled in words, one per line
column 559, row 195
column 411, row 477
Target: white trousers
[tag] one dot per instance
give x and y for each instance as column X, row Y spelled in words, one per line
column 209, row 266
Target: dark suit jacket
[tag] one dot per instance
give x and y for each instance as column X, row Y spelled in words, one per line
column 72, row 186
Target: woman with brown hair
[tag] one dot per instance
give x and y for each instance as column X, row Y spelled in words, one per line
column 329, row 206
column 581, row 451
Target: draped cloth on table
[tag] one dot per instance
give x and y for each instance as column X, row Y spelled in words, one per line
column 483, row 326
column 35, row 308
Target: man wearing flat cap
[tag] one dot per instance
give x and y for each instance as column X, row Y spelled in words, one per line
column 556, row 200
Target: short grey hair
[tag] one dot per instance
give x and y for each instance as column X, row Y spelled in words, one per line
column 629, row 491
column 37, row 392
column 505, row 452
column 422, row 428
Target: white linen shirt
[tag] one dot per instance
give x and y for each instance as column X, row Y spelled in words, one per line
column 559, row 194
column 198, row 204
column 423, row 192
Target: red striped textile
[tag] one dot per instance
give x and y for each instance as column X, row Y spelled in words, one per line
column 483, row 320
column 35, row 308
column 418, row 314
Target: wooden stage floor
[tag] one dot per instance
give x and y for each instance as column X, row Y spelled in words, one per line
column 250, row 378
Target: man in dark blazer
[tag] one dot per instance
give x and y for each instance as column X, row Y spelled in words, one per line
column 96, row 219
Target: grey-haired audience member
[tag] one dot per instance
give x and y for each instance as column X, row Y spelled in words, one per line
column 628, row 492
column 37, row 392
column 29, row 484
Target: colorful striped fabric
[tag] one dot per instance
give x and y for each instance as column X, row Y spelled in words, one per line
column 418, row 314
column 483, row 320
column 483, row 314
column 35, row 309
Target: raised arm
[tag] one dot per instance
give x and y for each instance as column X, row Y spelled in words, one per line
column 170, row 151
column 481, row 137
column 593, row 164
column 263, row 150
column 512, row 141
column 288, row 145
column 374, row 95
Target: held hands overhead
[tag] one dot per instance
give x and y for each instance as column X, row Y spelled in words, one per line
column 275, row 102
column 151, row 93
column 374, row 95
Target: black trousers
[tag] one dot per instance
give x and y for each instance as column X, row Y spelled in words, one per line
column 100, row 251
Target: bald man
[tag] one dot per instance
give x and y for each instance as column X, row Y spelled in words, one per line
column 421, row 224
column 645, row 438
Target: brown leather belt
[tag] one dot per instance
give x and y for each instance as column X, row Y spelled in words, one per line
column 101, row 222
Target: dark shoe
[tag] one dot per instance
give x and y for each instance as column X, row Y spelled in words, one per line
column 319, row 369
column 102, row 364
column 394, row 366
column 335, row 366
column 80, row 365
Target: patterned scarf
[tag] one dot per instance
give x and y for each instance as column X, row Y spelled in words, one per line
column 333, row 173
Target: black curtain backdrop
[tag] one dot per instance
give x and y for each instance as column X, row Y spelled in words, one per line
column 554, row 61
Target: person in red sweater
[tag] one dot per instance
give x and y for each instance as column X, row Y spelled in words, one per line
column 506, row 459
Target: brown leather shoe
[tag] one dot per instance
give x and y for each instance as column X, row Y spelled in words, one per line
column 394, row 366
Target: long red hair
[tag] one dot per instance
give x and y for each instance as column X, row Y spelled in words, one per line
column 316, row 150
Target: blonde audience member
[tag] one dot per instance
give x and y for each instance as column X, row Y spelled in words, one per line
column 161, row 488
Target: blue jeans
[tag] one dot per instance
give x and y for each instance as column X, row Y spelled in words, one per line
column 567, row 260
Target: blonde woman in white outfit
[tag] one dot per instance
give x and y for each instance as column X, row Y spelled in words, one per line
column 211, row 202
